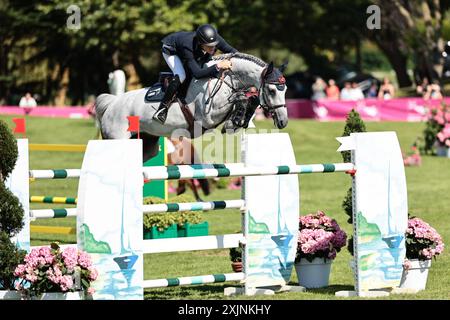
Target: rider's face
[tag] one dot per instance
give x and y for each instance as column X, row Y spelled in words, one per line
column 208, row 49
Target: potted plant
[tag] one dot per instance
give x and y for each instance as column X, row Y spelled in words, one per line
column 159, row 225
column 437, row 131
column 49, row 273
column 11, row 217
column 319, row 240
column 236, row 259
column 422, row 244
column 190, row 224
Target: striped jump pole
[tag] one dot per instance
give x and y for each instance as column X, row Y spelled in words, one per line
column 194, row 206
column 53, row 213
column 195, row 280
column 55, row 174
column 236, row 170
column 50, row 199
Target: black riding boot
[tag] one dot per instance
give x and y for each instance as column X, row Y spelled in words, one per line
column 161, row 114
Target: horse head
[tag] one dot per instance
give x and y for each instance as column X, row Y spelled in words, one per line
column 272, row 94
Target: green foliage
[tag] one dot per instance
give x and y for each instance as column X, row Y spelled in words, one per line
column 161, row 221
column 222, row 183
column 350, row 245
column 347, row 206
column 354, row 123
column 236, row 254
column 191, row 217
column 10, row 258
column 8, row 151
column 153, row 200
column 11, row 212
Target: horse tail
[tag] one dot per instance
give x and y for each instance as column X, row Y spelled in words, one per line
column 101, row 104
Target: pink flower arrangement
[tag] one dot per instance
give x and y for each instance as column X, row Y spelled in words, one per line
column 443, row 136
column 319, row 237
column 413, row 159
column 48, row 269
column 422, row 241
column 437, row 131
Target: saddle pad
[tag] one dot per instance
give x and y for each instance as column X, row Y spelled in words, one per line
column 154, row 93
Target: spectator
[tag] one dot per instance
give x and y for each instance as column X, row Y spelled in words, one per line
column 421, row 89
column 433, row 91
column 373, row 91
column 27, row 102
column 356, row 92
column 346, row 92
column 332, row 90
column 387, row 90
column 319, row 89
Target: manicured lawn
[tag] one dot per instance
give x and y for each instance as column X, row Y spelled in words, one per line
column 428, row 198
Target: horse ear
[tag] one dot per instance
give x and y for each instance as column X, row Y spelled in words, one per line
column 269, row 68
column 283, row 66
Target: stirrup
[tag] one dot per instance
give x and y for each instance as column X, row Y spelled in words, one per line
column 161, row 115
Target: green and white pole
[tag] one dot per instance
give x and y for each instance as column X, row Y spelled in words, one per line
column 195, row 280
column 236, row 170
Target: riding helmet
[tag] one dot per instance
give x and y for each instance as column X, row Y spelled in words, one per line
column 207, row 35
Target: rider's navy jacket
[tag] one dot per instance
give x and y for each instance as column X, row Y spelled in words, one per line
column 187, row 49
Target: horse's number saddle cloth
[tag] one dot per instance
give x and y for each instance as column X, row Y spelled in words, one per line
column 156, row 92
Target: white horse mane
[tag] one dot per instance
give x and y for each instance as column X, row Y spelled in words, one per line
column 240, row 55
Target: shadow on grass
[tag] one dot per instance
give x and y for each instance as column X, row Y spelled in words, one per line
column 331, row 290
column 186, row 292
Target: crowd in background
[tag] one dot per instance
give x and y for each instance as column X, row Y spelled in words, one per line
column 351, row 91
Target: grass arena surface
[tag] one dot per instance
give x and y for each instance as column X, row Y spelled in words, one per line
column 313, row 142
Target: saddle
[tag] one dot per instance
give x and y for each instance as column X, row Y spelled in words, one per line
column 155, row 93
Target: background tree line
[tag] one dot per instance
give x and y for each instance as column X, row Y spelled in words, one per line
column 38, row 53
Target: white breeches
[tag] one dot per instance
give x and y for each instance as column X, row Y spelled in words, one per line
column 175, row 65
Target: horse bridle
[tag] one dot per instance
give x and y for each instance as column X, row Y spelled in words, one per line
column 250, row 90
column 280, row 84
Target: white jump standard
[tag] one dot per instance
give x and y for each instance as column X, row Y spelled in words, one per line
column 110, row 212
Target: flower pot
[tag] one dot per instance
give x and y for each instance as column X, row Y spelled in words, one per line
column 154, row 233
column 193, row 230
column 416, row 276
column 10, row 295
column 315, row 274
column 77, row 295
column 237, row 266
column 443, row 151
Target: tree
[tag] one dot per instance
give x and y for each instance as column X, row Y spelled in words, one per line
column 354, row 123
column 411, row 28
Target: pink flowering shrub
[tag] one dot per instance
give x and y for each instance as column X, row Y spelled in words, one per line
column 50, row 269
column 437, row 129
column 422, row 241
column 319, row 237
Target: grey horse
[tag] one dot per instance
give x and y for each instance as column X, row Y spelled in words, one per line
column 209, row 100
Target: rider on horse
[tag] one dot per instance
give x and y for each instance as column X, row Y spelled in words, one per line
column 185, row 54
